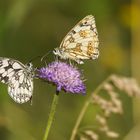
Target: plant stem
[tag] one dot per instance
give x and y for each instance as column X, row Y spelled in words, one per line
column 51, row 116
column 74, row 132
column 84, row 109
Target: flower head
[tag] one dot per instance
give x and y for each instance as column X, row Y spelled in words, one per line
column 64, row 76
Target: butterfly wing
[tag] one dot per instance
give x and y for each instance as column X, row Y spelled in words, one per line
column 20, row 87
column 18, row 78
column 81, row 42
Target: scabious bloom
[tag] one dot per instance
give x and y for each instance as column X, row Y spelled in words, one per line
column 65, row 76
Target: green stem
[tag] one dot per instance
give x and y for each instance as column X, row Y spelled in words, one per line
column 51, row 116
column 74, row 132
column 84, row 109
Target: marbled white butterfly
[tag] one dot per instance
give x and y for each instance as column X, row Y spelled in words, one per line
column 18, row 77
column 81, row 42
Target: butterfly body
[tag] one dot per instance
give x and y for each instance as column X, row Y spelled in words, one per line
column 18, row 77
column 81, row 42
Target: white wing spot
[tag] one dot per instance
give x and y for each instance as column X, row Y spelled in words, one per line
column 16, row 66
column 4, row 74
column 2, row 70
column 21, row 78
column 5, row 63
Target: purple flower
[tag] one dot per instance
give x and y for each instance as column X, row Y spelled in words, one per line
column 64, row 76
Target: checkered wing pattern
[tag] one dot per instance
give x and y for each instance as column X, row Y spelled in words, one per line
column 18, row 77
column 81, row 42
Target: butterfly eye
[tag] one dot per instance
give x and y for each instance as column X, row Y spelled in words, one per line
column 85, row 23
column 29, row 65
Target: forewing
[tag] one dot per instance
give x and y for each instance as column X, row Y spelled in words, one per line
column 20, row 87
column 82, row 41
column 8, row 67
column 19, row 80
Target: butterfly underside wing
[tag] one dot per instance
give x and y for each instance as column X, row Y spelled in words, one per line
column 18, row 77
column 81, row 42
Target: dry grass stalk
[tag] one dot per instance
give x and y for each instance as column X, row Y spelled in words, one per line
column 113, row 105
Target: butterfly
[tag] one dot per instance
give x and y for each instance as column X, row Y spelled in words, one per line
column 18, row 77
column 81, row 42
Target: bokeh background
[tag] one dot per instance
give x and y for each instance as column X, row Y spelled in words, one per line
column 29, row 28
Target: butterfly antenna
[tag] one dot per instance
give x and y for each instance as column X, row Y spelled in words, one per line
column 34, row 58
column 39, row 56
column 44, row 56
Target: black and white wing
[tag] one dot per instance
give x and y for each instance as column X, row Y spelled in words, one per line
column 19, row 78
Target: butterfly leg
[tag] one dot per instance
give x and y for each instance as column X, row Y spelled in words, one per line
column 31, row 101
column 79, row 61
column 56, row 58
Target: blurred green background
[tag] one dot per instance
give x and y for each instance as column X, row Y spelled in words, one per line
column 29, row 28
